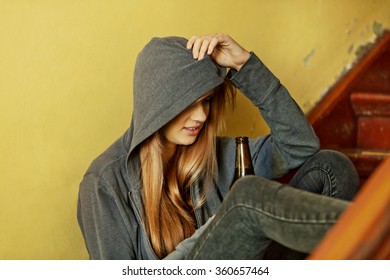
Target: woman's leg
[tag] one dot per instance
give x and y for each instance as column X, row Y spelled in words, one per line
column 257, row 211
column 329, row 173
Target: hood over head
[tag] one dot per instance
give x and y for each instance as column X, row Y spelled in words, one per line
column 167, row 79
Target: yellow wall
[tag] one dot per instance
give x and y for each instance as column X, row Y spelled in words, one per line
column 65, row 88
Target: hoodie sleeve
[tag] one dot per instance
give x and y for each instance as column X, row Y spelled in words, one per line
column 292, row 139
column 101, row 221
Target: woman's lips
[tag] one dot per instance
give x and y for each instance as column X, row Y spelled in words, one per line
column 192, row 131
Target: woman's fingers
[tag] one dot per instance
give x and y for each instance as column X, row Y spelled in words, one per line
column 202, row 45
column 213, row 44
column 221, row 47
column 191, row 41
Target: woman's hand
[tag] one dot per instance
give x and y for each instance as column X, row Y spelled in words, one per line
column 221, row 48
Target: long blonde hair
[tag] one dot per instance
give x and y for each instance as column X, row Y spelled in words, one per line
column 168, row 208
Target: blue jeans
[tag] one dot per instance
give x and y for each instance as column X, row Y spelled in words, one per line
column 258, row 212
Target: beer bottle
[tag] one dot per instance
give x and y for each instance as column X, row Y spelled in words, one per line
column 243, row 164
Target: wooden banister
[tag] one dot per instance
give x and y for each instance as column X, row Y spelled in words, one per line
column 363, row 231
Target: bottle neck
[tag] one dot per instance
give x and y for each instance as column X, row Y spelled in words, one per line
column 243, row 165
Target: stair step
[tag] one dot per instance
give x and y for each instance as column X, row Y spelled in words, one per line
column 365, row 160
column 371, row 104
column 373, row 119
column 351, row 115
column 373, row 132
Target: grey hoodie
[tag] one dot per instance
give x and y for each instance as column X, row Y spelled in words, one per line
column 166, row 81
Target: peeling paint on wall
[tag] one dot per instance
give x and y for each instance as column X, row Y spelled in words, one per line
column 307, row 58
column 351, row 26
column 377, row 27
column 363, row 49
column 378, row 30
column 350, row 49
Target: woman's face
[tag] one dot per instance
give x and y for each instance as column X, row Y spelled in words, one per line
column 185, row 128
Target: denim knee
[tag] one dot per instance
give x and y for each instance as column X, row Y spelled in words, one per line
column 244, row 185
column 253, row 187
column 249, row 183
column 338, row 169
column 341, row 165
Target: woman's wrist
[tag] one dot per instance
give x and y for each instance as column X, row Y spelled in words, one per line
column 243, row 59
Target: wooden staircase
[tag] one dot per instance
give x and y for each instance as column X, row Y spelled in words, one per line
column 354, row 117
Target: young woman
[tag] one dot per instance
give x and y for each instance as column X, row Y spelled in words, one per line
column 164, row 189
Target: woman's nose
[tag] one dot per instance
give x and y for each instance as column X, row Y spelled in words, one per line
column 200, row 112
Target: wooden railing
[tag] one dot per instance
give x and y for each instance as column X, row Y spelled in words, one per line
column 363, row 231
